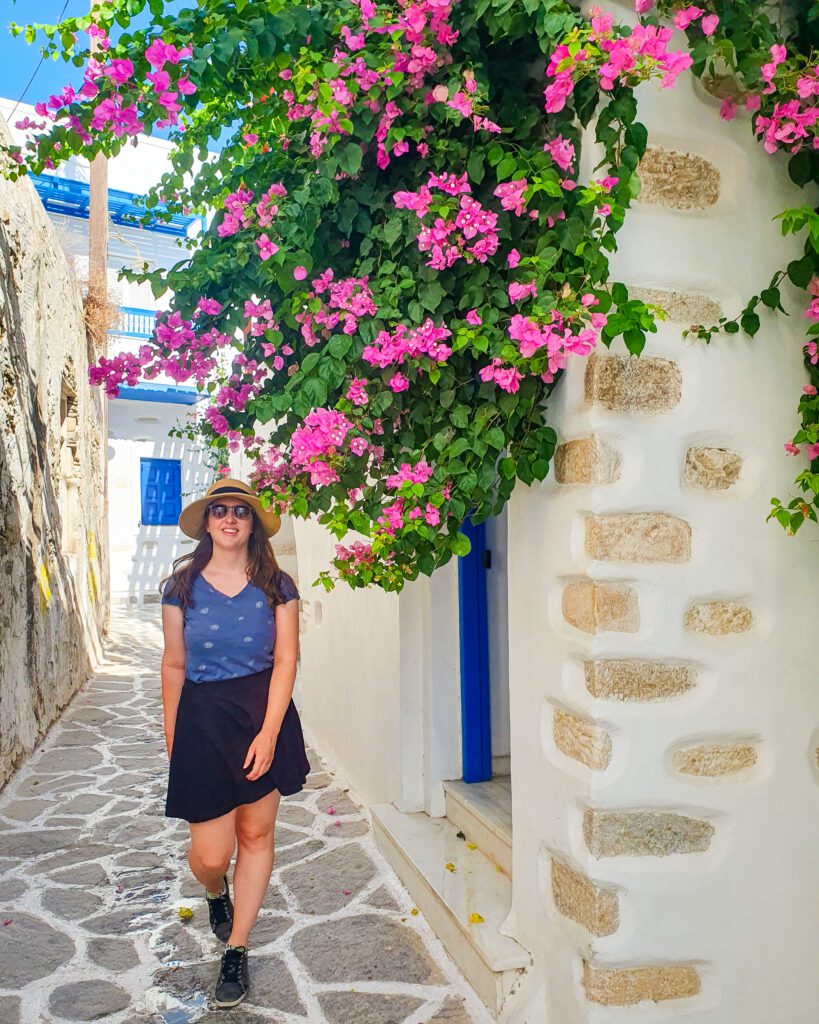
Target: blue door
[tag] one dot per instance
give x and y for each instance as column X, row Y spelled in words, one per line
column 475, row 706
column 161, row 491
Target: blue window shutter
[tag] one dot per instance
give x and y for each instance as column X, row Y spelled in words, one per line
column 161, row 491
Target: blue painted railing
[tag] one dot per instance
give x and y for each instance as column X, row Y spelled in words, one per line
column 72, row 198
column 135, row 323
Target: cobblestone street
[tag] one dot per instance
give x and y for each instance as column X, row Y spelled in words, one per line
column 93, row 878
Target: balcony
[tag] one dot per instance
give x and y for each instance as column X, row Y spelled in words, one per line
column 135, row 323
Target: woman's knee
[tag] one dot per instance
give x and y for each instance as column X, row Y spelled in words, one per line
column 211, row 858
column 254, row 837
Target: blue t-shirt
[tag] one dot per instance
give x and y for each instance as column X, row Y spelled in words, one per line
column 226, row 637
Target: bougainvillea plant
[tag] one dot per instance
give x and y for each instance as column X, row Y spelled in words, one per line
column 402, row 259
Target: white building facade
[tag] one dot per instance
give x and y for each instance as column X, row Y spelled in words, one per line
column 639, row 843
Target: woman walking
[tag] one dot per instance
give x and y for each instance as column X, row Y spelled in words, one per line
column 234, row 738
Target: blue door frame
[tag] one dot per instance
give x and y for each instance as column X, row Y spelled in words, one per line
column 476, row 734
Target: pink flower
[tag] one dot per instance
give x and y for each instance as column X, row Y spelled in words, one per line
column 210, row 306
column 791, row 449
column 507, row 378
column 728, row 109
column 299, row 273
column 473, row 318
column 432, row 515
column 452, row 184
column 521, row 291
column 641, row 6
column 357, row 391
column 250, row 138
column 513, row 258
column 511, row 195
column 709, row 24
column 462, row 103
column 161, row 80
column 267, row 248
column 809, row 389
column 155, row 54
column 398, row 382
column 753, row 102
column 561, row 151
column 812, row 451
column 286, row 75
column 120, row 71
column 683, row 18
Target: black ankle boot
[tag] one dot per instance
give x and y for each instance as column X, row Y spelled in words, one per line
column 234, row 978
column 220, row 910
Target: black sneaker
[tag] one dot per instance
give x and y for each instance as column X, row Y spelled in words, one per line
column 220, row 910
column 234, row 979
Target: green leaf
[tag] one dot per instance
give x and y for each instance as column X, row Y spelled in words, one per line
column 350, row 158
column 495, row 437
column 430, row 295
column 393, row 230
column 474, row 166
column 800, row 167
column 460, row 545
column 315, row 390
column 507, row 468
column 750, row 323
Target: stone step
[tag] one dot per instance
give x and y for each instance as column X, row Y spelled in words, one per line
column 419, row 848
column 483, row 812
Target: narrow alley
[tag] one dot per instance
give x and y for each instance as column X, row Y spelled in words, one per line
column 96, row 895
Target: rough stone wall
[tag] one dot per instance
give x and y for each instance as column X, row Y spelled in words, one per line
column 53, row 579
column 663, row 698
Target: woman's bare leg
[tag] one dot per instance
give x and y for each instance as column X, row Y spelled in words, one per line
column 212, row 844
column 254, row 862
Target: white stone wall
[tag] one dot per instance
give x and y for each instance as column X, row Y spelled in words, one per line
column 53, row 567
column 663, row 702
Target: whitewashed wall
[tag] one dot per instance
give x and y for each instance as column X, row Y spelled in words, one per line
column 688, row 738
column 350, row 669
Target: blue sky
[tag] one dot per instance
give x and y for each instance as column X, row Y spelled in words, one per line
column 18, row 60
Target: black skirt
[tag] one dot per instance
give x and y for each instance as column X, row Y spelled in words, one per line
column 215, row 724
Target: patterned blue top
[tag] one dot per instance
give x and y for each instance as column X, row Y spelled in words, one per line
column 226, row 637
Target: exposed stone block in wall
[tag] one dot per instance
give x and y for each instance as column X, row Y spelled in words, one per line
column 680, row 181
column 638, row 537
column 714, row 759
column 578, row 898
column 629, row 986
column 581, row 739
column 628, row 384
column 682, row 307
column 637, row 679
column 594, row 607
column 712, row 469
column 644, row 833
column 718, row 618
column 588, row 460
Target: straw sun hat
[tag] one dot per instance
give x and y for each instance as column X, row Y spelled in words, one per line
column 192, row 516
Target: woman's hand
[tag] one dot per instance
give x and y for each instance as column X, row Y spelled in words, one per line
column 262, row 750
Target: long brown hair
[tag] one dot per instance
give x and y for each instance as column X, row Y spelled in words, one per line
column 262, row 567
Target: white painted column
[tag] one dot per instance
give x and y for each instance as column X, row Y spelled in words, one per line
column 663, row 706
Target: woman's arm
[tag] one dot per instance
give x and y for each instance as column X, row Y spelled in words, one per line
column 282, row 680
column 285, row 653
column 173, row 667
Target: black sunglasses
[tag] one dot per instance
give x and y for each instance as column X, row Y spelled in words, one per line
column 220, row 511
